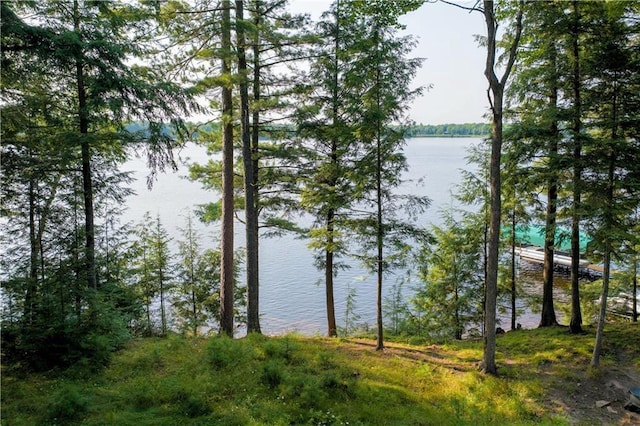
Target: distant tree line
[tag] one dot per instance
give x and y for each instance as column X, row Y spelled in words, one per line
column 451, row 130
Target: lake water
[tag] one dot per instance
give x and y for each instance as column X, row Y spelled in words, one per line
column 291, row 291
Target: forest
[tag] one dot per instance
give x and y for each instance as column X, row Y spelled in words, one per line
column 305, row 118
column 450, row 129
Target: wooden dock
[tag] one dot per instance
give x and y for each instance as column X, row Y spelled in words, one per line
column 598, row 268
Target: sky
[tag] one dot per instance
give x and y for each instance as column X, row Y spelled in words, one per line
column 453, row 65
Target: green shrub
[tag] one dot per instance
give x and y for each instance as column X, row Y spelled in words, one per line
column 283, row 348
column 195, row 406
column 223, row 351
column 85, row 342
column 273, row 373
column 69, row 404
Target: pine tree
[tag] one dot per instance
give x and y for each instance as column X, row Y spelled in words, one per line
column 450, row 268
column 197, row 279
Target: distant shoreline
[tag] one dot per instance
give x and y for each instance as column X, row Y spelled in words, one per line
column 448, row 136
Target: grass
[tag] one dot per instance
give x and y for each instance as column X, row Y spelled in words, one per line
column 291, row 379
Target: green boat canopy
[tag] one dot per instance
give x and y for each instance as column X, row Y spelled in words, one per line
column 534, row 235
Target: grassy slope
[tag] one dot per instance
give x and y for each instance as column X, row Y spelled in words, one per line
column 296, row 380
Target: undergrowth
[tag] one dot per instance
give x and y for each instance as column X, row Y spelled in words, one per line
column 289, row 380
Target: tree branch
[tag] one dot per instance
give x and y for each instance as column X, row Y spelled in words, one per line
column 475, row 8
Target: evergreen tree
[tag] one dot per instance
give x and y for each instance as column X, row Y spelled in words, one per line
column 613, row 162
column 267, row 39
column 386, row 75
column 354, row 153
column 197, row 279
column 325, row 121
column 451, row 270
column 154, row 268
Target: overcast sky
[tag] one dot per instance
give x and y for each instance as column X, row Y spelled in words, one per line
column 453, row 66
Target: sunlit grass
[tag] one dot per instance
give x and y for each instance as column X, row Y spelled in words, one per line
column 287, row 380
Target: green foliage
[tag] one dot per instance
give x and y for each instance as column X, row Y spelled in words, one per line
column 153, row 266
column 451, row 269
column 68, row 405
column 351, row 318
column 85, row 343
column 272, row 373
column 295, row 380
column 223, row 352
column 448, row 130
column 197, row 285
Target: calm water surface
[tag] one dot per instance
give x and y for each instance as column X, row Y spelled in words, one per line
column 291, row 292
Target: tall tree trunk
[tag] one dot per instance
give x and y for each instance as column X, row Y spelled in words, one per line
column 87, row 185
column 250, row 207
column 496, row 94
column 494, row 237
column 513, row 271
column 32, row 281
column 163, row 314
column 575, row 326
column 332, row 329
column 459, row 329
column 634, row 294
column 380, row 225
column 255, row 154
column 226, row 244
column 606, row 275
column 548, row 317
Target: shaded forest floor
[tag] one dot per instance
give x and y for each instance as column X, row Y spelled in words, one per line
column 543, row 379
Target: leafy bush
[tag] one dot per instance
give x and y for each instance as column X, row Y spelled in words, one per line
column 223, row 351
column 195, row 406
column 85, row 341
column 273, row 373
column 69, row 404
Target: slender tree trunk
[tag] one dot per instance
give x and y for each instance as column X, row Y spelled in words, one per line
column 494, row 238
column 163, row 314
column 332, row 329
column 548, row 316
column 485, row 262
column 32, row 281
column 250, row 207
column 513, row 270
column 194, row 309
column 491, row 285
column 496, row 94
column 226, row 244
column 634, row 293
column 456, row 300
column 380, row 224
column 87, row 185
column 606, row 275
column 330, row 243
column 575, row 325
column 255, row 154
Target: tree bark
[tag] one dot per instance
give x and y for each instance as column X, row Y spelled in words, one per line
column 548, row 317
column 606, row 275
column 380, row 225
column 330, row 243
column 332, row 329
column 32, row 282
column 87, row 184
column 513, row 271
column 496, row 90
column 226, row 243
column 250, row 207
column 575, row 326
column 634, row 294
